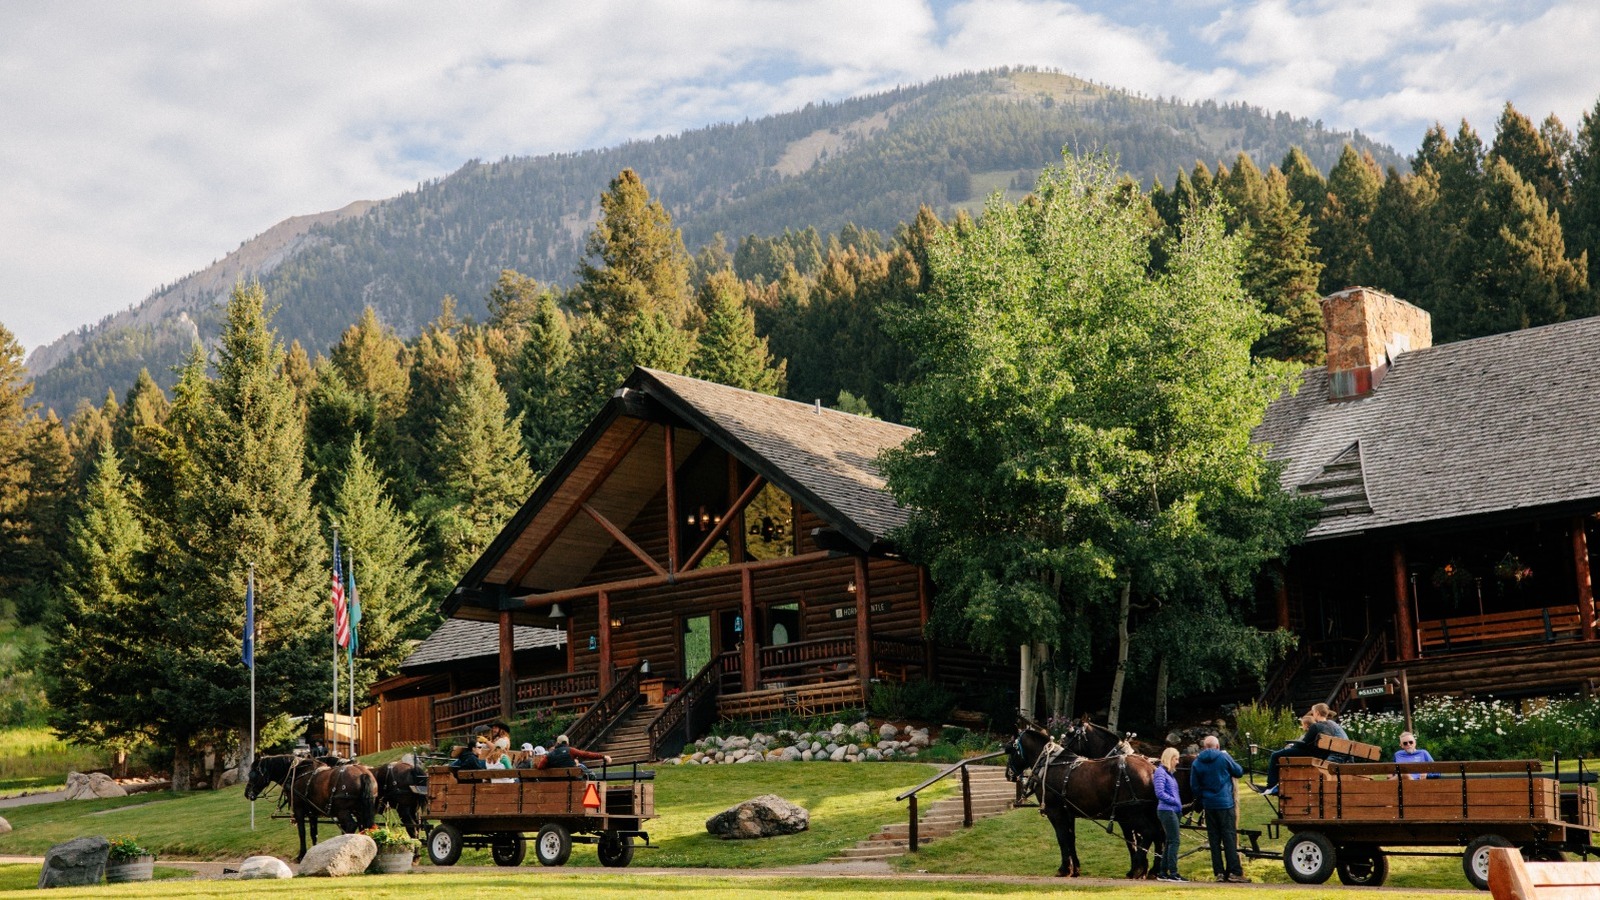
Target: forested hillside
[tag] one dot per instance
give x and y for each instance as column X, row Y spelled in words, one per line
column 870, row 162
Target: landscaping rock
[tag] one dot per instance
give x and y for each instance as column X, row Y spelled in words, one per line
column 765, row 816
column 92, row 786
column 5, row 827
column 886, row 732
column 347, row 854
column 265, row 867
column 76, row 862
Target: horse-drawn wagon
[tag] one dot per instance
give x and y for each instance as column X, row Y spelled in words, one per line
column 1341, row 816
column 498, row 808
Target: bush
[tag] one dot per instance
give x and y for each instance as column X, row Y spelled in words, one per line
column 923, row 700
column 1265, row 727
column 540, row 728
column 1451, row 728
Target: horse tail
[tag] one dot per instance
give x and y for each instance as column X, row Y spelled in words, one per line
column 369, row 799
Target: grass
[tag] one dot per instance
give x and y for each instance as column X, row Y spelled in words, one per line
column 33, row 759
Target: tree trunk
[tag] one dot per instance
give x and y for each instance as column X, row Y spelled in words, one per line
column 119, row 764
column 1025, row 685
column 1114, row 716
column 1161, row 691
column 182, row 765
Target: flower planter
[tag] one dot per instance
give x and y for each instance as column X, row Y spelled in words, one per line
column 139, row 869
column 393, row 862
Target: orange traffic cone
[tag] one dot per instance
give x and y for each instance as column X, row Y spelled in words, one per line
column 591, row 797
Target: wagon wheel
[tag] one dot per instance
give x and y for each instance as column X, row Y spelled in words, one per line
column 1475, row 860
column 616, row 851
column 1362, row 865
column 1543, row 853
column 553, row 845
column 510, row 848
column 1309, row 857
column 444, row 845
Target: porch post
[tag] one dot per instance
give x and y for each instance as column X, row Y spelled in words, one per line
column 1281, row 595
column 748, row 657
column 1580, row 565
column 572, row 652
column 863, row 629
column 603, row 610
column 508, row 671
column 1405, row 637
column 672, row 501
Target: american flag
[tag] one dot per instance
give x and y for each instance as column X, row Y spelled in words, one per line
column 341, row 615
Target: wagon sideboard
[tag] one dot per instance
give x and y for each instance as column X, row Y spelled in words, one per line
column 1380, row 803
column 503, row 800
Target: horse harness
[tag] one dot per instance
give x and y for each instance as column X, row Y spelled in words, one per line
column 1122, row 793
column 289, row 791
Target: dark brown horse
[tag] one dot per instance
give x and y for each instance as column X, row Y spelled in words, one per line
column 403, row 787
column 346, row 794
column 1117, row 788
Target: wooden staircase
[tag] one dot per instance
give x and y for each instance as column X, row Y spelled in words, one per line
column 992, row 795
column 628, row 741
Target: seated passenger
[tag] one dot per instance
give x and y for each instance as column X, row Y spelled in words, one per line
column 1321, row 723
column 471, row 758
column 563, row 755
column 1409, row 752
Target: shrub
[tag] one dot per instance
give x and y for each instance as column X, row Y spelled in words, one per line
column 1265, row 727
column 1453, row 728
column 126, row 849
column 923, row 700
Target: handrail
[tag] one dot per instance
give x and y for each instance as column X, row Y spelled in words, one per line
column 603, row 714
column 1278, row 688
column 966, row 796
column 1360, row 664
column 681, row 708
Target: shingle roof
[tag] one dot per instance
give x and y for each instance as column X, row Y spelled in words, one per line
column 830, row 455
column 459, row 639
column 1490, row 425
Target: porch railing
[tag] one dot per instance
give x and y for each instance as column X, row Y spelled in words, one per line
column 592, row 725
column 686, row 714
column 832, row 658
column 1360, row 664
column 569, row 691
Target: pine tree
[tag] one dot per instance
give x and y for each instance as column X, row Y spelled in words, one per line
column 1531, row 156
column 100, row 670
column 1280, row 270
column 729, row 351
column 380, row 545
column 1341, row 229
column 547, row 396
column 1307, row 187
column 1407, row 253
column 636, row 263
column 372, row 362
column 438, row 362
column 16, row 418
column 1583, row 219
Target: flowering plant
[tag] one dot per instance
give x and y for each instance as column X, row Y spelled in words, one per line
column 388, row 836
column 126, row 849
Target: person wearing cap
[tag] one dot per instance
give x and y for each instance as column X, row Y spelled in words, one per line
column 527, row 757
column 564, row 756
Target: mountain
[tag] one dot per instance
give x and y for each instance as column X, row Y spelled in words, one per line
column 870, row 161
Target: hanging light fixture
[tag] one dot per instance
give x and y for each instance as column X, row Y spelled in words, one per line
column 644, row 667
column 851, row 587
column 556, row 612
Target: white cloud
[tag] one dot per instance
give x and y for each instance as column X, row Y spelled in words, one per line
column 143, row 141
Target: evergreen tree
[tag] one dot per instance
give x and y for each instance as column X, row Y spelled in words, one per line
column 1307, row 187
column 1583, row 220
column 99, row 667
column 52, row 482
column 483, row 474
column 636, row 263
column 438, row 362
column 1407, row 253
column 372, row 362
column 729, row 351
column 380, row 545
column 547, row 396
column 1280, row 270
column 16, row 418
column 1532, row 157
column 1346, row 213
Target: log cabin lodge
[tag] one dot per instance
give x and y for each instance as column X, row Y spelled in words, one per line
column 703, row 551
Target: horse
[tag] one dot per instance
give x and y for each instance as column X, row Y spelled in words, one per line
column 403, row 787
column 1084, row 738
column 1119, row 787
column 347, row 794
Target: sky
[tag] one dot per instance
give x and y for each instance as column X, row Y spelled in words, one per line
column 140, row 142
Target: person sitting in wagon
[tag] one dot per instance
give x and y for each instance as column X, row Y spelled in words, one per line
column 1321, row 723
column 1409, row 752
column 563, row 755
column 471, row 757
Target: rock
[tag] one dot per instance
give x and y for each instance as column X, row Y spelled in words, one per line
column 790, row 754
column 347, row 854
column 78, row 861
column 91, row 786
column 887, row 732
column 871, row 754
column 838, row 729
column 888, row 754
column 837, row 755
column 265, row 867
column 230, row 777
column 806, row 756
column 5, row 827
column 765, row 816
column 919, row 738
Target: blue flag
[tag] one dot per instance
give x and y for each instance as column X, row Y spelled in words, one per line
column 354, row 600
column 250, row 622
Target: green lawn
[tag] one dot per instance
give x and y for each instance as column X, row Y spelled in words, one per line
column 32, row 759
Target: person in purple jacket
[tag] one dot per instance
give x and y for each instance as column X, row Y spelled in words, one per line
column 1168, row 809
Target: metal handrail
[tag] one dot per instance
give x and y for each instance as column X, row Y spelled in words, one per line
column 966, row 795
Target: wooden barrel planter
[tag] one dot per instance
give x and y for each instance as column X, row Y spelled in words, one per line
column 139, row 869
column 393, row 862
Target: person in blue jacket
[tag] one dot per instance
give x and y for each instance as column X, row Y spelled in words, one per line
column 1169, row 808
column 1211, row 776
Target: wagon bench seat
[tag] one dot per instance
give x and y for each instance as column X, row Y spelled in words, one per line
column 1510, row 878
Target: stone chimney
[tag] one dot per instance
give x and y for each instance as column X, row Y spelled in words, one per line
column 1366, row 331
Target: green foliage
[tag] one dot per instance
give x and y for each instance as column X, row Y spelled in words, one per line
column 1451, row 728
column 126, row 849
column 540, row 727
column 393, row 837
column 922, row 700
column 1266, row 726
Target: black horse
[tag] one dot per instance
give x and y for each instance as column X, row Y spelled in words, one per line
column 311, row 790
column 403, row 787
column 1071, row 786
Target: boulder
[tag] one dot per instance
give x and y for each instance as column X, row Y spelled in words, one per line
column 347, row 854
column 5, row 827
column 265, row 867
column 78, row 861
column 766, row 816
column 886, row 732
column 91, row 786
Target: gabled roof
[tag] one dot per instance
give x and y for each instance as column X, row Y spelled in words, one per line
column 462, row 639
column 823, row 458
column 1496, row 425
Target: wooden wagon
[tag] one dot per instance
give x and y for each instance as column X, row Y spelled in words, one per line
column 498, row 808
column 1343, row 815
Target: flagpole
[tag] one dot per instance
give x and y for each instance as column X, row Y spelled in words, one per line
column 351, row 681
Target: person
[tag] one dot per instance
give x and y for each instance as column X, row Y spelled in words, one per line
column 318, row 748
column 1321, row 723
column 563, row 755
column 527, row 757
column 1169, row 808
column 471, row 757
column 1211, row 776
column 1409, row 752
column 500, row 736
